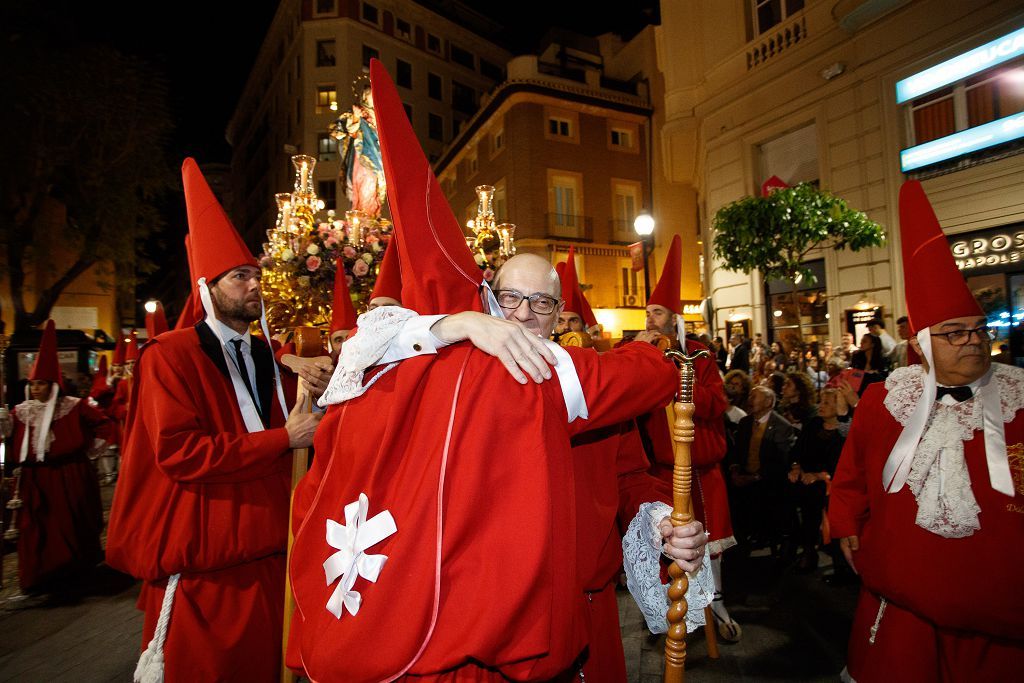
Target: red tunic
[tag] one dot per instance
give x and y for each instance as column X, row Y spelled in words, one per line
column 61, row 517
column 612, row 481
column 201, row 496
column 497, row 583
column 710, row 502
column 956, row 609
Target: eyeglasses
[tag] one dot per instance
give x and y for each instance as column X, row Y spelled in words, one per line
column 962, row 337
column 539, row 303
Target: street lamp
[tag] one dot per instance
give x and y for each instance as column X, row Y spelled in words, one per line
column 150, row 306
column 643, row 224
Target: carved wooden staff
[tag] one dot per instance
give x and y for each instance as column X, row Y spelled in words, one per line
column 307, row 345
column 682, row 481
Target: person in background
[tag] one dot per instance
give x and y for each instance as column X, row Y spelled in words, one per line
column 877, row 328
column 871, row 360
column 797, row 404
column 898, row 358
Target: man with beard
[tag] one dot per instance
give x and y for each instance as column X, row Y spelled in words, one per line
column 201, row 509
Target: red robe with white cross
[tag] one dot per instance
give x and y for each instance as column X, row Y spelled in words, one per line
column 482, row 575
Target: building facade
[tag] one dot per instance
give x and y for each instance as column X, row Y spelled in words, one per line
column 833, row 93
column 302, row 80
column 566, row 142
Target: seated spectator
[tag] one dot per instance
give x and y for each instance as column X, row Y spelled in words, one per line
column 775, row 381
column 758, row 464
column 815, row 456
column 797, row 403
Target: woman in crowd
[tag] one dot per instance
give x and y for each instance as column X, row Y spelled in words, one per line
column 871, row 360
column 816, row 454
column 797, row 404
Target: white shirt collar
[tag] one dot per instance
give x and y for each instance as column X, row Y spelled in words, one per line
column 974, row 386
column 764, row 418
column 228, row 334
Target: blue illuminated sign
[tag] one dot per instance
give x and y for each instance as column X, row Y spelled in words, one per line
column 952, row 70
column 964, row 142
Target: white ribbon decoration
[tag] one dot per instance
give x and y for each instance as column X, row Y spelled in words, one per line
column 901, row 457
column 42, row 427
column 351, row 561
column 995, row 436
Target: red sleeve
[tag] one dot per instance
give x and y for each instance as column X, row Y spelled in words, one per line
column 636, row 485
column 709, row 391
column 848, row 499
column 622, row 383
column 187, row 447
column 99, row 424
column 283, row 351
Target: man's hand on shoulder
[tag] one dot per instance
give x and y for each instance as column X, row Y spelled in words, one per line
column 521, row 352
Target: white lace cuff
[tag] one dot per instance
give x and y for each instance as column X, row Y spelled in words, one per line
column 413, row 339
column 641, row 555
column 377, row 331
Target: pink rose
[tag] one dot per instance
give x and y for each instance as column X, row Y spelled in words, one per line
column 312, row 263
column 370, row 239
column 330, row 242
column 360, row 268
column 488, row 274
column 349, row 252
column 348, row 280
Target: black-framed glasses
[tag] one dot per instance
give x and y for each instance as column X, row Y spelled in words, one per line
column 538, row 302
column 963, row 337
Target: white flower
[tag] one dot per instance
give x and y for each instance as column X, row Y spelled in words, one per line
column 368, row 258
column 312, row 250
column 287, row 255
column 376, row 247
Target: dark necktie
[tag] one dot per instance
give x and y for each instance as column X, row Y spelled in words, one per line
column 244, row 371
column 960, row 394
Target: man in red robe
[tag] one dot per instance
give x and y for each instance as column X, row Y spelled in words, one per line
column 711, row 504
column 928, row 497
column 61, row 514
column 439, row 499
column 201, row 509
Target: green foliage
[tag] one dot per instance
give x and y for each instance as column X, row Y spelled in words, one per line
column 773, row 234
column 86, row 126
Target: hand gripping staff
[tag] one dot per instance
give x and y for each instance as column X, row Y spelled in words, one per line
column 682, row 482
column 307, row 345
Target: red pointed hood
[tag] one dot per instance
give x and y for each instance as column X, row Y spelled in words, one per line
column 936, row 290
column 571, row 293
column 666, row 293
column 438, row 272
column 46, row 367
column 343, row 315
column 192, row 310
column 586, row 313
column 119, row 349
column 216, row 245
column 131, row 352
column 99, row 380
column 389, row 276
column 156, row 322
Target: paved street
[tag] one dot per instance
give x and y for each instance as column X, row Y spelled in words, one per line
column 794, row 628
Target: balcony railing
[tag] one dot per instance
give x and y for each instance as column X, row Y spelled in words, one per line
column 570, row 227
column 622, row 231
column 776, row 40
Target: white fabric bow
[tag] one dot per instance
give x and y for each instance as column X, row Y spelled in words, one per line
column 351, row 540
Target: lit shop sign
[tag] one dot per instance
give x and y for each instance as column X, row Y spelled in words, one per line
column 992, row 249
column 964, row 142
column 958, row 68
column 692, row 309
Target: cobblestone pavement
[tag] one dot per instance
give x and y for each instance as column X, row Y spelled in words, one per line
column 794, row 628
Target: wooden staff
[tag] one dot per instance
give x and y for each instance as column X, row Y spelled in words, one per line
column 682, row 480
column 307, row 345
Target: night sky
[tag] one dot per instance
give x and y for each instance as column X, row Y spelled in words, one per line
column 207, row 48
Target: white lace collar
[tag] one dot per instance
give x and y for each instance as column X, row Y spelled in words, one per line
column 31, row 411
column 938, row 476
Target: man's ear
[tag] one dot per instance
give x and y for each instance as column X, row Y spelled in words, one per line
column 916, row 345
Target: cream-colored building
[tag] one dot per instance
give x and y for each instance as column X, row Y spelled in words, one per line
column 807, row 90
column 302, row 80
column 567, row 141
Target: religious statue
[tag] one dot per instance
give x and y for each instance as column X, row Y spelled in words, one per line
column 362, row 171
